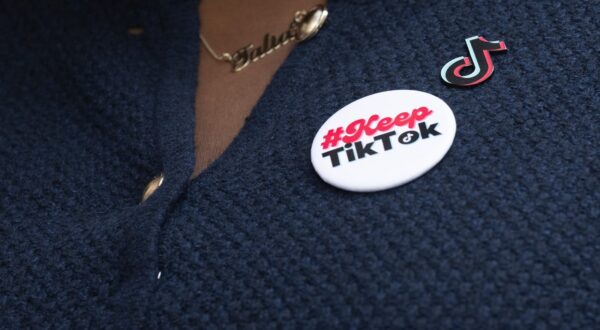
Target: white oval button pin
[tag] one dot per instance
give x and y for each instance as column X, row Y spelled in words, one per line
column 383, row 140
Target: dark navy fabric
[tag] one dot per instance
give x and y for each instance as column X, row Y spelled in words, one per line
column 503, row 233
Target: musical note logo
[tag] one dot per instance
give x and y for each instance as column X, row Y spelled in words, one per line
column 479, row 58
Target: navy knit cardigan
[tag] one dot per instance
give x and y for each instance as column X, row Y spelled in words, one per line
column 503, row 233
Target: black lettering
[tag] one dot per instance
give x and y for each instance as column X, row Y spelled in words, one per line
column 408, row 137
column 426, row 131
column 385, row 139
column 366, row 150
column 350, row 152
column 333, row 155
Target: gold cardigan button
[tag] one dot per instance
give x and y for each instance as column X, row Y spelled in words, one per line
column 152, row 186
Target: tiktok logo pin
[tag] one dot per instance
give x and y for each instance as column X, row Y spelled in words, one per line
column 479, row 58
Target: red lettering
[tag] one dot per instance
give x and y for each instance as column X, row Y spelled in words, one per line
column 354, row 131
column 370, row 127
column 418, row 115
column 385, row 124
column 401, row 119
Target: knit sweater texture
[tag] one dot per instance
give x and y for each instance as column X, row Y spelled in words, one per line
column 503, row 233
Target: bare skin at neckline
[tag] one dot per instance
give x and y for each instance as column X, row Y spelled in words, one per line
column 224, row 99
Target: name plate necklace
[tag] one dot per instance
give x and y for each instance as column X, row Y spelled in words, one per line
column 305, row 25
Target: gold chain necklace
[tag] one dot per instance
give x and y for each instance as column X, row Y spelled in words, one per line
column 304, row 26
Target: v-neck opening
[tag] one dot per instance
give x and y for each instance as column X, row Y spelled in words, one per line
column 217, row 163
